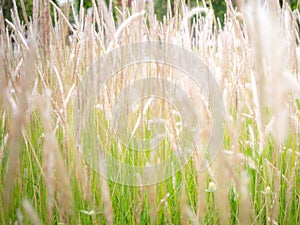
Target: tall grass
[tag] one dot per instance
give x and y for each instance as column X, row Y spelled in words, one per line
column 254, row 57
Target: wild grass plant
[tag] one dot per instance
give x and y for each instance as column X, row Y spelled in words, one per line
column 254, row 57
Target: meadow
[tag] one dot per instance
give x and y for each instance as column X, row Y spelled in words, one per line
column 254, row 58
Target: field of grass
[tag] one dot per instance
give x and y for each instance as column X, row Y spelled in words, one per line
column 255, row 59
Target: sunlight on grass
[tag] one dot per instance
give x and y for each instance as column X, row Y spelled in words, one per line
column 45, row 178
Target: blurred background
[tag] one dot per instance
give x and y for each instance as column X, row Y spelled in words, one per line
column 219, row 6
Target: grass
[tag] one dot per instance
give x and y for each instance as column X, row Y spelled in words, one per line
column 255, row 60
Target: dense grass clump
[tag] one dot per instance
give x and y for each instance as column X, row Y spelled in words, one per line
column 255, row 59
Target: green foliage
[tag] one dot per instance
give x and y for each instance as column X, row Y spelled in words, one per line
column 294, row 3
column 160, row 8
column 7, row 6
column 219, row 7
